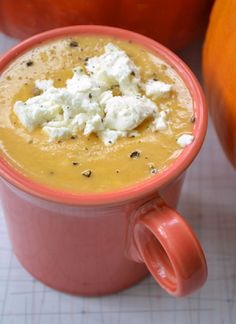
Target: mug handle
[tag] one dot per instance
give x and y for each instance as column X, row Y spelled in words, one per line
column 170, row 250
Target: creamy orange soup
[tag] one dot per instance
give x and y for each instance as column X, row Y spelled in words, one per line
column 80, row 163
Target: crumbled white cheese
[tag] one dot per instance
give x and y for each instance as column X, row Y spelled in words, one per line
column 185, row 140
column 82, row 83
column 127, row 112
column 56, row 133
column 57, row 130
column 105, row 96
column 114, row 67
column 44, row 84
column 160, row 122
column 94, row 124
column 109, row 136
column 87, row 103
column 157, row 89
column 33, row 115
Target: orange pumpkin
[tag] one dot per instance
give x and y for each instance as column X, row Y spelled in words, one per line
column 219, row 73
column 173, row 22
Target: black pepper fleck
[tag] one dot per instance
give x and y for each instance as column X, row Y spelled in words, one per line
column 59, row 142
column 117, row 171
column 114, row 86
column 132, row 73
column 36, row 91
column 87, row 173
column 90, row 95
column 155, row 79
column 151, row 165
column 154, row 171
column 75, row 163
column 73, row 137
column 193, row 119
column 135, row 155
column 73, row 44
column 29, row 63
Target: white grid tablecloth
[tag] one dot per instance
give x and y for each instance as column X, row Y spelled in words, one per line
column 209, row 203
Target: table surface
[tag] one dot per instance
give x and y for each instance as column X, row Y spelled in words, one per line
column 208, row 202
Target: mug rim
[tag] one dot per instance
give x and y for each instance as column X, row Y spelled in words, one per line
column 142, row 188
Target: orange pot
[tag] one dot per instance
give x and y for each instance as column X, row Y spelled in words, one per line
column 172, row 22
column 219, row 72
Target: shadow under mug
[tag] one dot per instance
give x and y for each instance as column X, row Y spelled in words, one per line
column 93, row 244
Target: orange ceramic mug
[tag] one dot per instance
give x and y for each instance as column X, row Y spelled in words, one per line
column 93, row 244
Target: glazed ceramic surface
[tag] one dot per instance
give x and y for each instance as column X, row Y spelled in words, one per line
column 93, row 244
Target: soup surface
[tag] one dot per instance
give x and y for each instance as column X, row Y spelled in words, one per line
column 85, row 163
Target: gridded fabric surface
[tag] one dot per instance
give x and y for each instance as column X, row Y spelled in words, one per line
column 208, row 202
